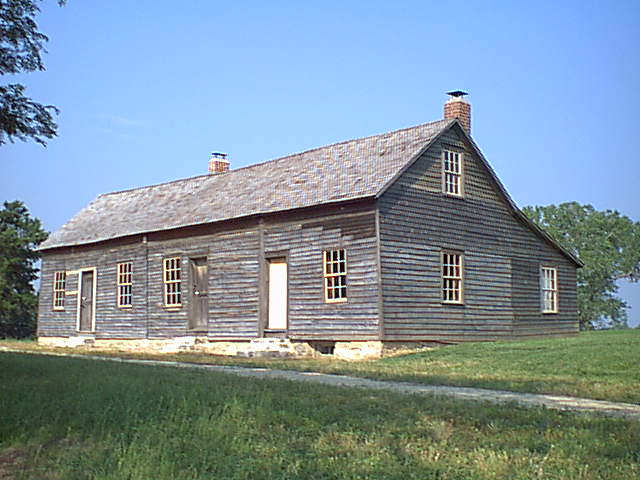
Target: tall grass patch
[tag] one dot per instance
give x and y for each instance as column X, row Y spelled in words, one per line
column 81, row 419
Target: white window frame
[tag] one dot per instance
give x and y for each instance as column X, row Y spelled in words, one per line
column 452, row 284
column 549, row 289
column 334, row 272
column 124, row 281
column 452, row 173
column 172, row 282
column 59, row 289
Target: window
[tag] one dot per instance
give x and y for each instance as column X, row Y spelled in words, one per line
column 125, row 285
column 452, row 173
column 451, row 277
column 59, row 281
column 172, row 296
column 335, row 276
column 549, row 290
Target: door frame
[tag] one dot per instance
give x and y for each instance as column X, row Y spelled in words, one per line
column 268, row 258
column 93, row 298
column 192, row 296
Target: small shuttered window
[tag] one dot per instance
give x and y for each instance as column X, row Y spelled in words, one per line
column 452, row 173
column 172, row 282
column 452, row 277
column 59, row 283
column 549, row 284
column 125, row 285
column 335, row 275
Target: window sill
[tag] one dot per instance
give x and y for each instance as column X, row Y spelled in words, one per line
column 453, row 304
column 172, row 308
column 550, row 313
column 340, row 300
column 58, row 309
column 453, row 195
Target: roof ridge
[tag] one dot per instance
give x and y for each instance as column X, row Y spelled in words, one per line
column 343, row 142
column 273, row 160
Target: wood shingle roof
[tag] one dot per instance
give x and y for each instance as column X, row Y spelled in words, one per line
column 344, row 171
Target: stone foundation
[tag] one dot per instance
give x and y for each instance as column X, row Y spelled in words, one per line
column 258, row 347
column 358, row 350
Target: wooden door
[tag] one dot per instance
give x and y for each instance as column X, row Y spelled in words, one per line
column 199, row 293
column 278, row 304
column 86, row 301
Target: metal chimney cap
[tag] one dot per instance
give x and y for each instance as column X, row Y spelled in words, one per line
column 457, row 93
column 219, row 155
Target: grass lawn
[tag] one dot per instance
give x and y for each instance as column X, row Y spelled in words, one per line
column 65, row 418
column 600, row 365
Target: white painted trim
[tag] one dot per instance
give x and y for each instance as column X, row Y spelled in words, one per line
column 59, row 308
column 119, row 284
column 461, row 279
column 278, row 303
column 93, row 298
column 460, row 173
column 554, row 291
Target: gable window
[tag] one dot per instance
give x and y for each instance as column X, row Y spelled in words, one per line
column 335, row 276
column 125, row 285
column 452, row 173
column 452, row 265
column 172, row 282
column 549, row 283
column 59, row 282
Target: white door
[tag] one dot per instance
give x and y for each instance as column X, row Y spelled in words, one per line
column 277, row 294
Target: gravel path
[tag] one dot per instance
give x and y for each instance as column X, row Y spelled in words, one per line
column 557, row 402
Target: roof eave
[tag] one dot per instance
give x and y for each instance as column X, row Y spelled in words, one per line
column 413, row 159
column 528, row 222
column 356, row 198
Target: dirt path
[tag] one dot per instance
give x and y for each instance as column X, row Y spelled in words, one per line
column 556, row 402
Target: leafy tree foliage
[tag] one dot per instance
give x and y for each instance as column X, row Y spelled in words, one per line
column 21, row 48
column 609, row 245
column 20, row 234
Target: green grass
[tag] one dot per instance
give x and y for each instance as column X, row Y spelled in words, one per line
column 600, row 365
column 64, row 418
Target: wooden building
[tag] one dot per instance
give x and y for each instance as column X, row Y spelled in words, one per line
column 404, row 237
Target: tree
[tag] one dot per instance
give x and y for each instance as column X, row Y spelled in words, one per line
column 20, row 234
column 21, row 48
column 609, row 245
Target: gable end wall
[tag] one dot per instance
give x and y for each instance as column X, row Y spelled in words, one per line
column 502, row 258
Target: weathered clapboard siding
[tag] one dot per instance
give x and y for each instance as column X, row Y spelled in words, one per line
column 234, row 287
column 55, row 323
column 111, row 321
column 526, row 299
column 303, row 243
column 234, row 277
column 501, row 293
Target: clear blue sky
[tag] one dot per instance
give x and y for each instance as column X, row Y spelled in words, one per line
column 147, row 89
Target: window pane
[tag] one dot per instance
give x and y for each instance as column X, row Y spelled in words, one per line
column 335, row 279
column 549, row 289
column 451, row 277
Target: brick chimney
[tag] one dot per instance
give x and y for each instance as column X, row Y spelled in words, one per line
column 218, row 163
column 458, row 107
